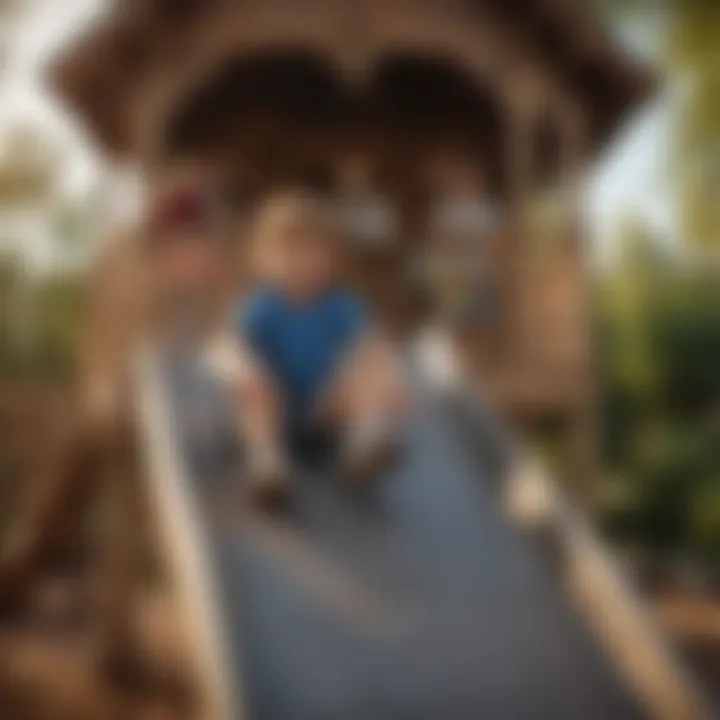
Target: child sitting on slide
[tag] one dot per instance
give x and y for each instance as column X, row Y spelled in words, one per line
column 308, row 357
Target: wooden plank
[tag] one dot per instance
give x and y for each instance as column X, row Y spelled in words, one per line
column 182, row 545
column 54, row 678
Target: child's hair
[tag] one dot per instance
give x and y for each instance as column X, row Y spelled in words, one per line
column 289, row 214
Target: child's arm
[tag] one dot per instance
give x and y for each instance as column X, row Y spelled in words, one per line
column 231, row 355
column 230, row 359
column 253, row 388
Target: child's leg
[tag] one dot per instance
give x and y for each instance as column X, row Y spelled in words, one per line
column 368, row 399
column 259, row 413
column 370, row 384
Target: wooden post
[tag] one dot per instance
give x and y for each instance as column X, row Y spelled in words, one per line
column 520, row 104
column 583, row 428
column 49, row 513
column 119, row 558
column 90, row 461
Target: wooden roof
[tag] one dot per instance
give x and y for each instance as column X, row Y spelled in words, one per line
column 143, row 55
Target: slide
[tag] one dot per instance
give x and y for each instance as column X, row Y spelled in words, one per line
column 416, row 599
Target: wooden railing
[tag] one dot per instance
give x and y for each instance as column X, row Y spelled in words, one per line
column 30, row 417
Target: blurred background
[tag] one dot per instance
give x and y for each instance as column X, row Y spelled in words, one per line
column 651, row 205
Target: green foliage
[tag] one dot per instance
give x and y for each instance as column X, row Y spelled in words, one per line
column 704, row 516
column 39, row 325
column 689, row 52
column 660, row 346
column 672, row 472
column 684, row 325
column 693, row 54
column 660, row 321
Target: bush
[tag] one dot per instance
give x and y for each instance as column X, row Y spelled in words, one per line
column 659, row 337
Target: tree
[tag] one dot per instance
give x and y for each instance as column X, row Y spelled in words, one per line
column 690, row 53
column 28, row 167
column 9, row 12
column 660, row 354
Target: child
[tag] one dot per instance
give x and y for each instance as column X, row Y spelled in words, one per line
column 309, row 355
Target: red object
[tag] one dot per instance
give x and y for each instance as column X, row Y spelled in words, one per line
column 184, row 209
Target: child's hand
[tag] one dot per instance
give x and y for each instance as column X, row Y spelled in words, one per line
column 224, row 358
column 231, row 361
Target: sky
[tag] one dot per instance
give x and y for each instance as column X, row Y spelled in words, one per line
column 46, row 26
column 629, row 178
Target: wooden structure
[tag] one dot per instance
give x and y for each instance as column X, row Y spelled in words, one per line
column 360, row 97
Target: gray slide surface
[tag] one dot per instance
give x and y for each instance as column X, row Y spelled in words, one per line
column 415, row 601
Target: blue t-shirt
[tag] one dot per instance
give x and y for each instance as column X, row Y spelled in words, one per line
column 301, row 343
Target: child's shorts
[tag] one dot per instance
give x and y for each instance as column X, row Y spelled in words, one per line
column 311, row 440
